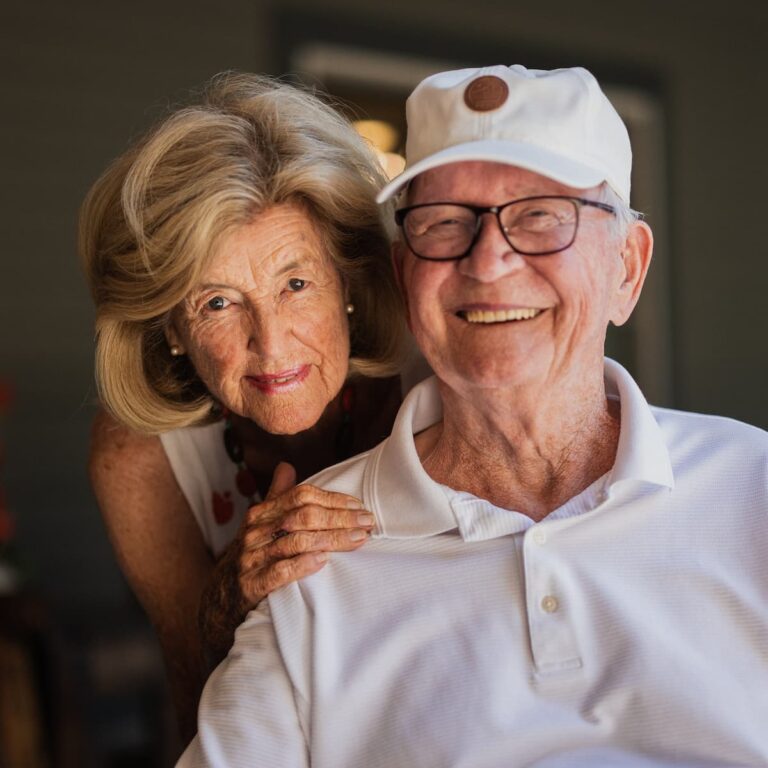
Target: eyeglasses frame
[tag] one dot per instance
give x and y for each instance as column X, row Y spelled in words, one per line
column 496, row 210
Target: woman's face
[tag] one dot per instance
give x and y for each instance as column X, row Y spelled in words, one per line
column 266, row 327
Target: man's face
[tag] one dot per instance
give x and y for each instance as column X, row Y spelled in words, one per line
column 459, row 310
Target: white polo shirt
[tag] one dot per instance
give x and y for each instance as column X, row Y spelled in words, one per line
column 627, row 628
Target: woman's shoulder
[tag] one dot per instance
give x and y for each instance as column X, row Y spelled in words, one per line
column 187, row 466
column 118, row 453
column 132, row 480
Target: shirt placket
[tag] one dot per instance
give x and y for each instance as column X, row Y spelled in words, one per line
column 550, row 613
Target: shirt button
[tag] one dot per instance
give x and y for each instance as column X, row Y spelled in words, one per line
column 539, row 537
column 549, row 604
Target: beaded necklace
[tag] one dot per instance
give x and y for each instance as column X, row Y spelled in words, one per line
column 246, row 481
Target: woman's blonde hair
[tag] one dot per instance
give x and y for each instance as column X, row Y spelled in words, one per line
column 151, row 221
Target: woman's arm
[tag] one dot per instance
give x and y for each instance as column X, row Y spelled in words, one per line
column 160, row 550
column 194, row 605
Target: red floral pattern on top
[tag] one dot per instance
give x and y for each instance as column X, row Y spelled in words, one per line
column 223, row 507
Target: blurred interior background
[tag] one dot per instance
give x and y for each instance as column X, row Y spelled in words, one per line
column 81, row 682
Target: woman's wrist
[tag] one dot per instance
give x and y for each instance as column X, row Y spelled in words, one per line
column 222, row 610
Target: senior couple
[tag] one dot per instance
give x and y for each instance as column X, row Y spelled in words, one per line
column 535, row 568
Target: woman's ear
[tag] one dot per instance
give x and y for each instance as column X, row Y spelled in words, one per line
column 173, row 337
column 635, row 255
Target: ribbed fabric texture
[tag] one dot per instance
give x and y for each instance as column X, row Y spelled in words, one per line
column 627, row 628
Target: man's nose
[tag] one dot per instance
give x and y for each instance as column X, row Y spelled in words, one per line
column 491, row 256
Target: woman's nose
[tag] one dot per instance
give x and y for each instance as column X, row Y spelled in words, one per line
column 267, row 331
column 491, row 257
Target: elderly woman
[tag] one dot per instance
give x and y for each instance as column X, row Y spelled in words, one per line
column 246, row 315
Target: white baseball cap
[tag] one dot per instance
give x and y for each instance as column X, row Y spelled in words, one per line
column 556, row 123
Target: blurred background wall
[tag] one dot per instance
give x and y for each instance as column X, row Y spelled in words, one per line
column 79, row 79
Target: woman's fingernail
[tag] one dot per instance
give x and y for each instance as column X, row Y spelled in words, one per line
column 321, row 557
column 354, row 504
column 365, row 519
column 358, row 535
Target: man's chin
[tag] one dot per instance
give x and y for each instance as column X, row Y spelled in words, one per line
column 488, row 375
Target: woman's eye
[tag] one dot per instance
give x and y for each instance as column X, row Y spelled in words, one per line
column 296, row 283
column 217, row 303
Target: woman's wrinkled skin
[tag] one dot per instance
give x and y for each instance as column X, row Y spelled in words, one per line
column 266, row 327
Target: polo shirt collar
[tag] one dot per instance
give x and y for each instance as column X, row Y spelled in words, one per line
column 642, row 454
column 407, row 503
column 404, row 499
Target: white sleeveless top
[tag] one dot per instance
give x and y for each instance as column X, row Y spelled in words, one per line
column 206, row 474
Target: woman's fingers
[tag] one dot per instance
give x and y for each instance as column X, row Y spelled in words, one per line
column 262, row 552
column 315, row 518
column 287, row 536
column 283, row 479
column 342, row 540
column 309, row 519
column 303, row 495
column 302, row 505
column 257, row 584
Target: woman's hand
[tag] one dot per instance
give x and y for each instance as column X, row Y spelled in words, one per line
column 284, row 538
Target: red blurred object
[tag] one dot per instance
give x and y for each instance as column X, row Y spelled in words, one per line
column 7, row 526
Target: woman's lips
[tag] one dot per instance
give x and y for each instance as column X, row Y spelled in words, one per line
column 281, row 382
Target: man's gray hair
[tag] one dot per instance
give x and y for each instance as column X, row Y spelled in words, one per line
column 625, row 215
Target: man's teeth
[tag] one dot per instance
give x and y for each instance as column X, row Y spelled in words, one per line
column 283, row 379
column 500, row 315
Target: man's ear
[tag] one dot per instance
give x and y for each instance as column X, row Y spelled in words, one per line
column 398, row 255
column 636, row 258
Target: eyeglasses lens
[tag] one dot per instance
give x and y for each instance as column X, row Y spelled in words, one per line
column 440, row 231
column 532, row 227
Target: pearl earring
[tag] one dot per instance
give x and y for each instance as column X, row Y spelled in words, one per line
column 175, row 350
column 350, row 308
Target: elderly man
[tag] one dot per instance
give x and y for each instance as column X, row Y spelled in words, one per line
column 560, row 575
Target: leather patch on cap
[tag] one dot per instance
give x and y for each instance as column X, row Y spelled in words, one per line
column 486, row 93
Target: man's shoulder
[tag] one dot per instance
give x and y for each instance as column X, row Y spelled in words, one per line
column 345, row 477
column 706, row 426
column 719, row 445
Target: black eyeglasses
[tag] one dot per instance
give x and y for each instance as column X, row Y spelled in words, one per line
column 533, row 226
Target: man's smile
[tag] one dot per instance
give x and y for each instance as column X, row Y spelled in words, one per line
column 498, row 315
